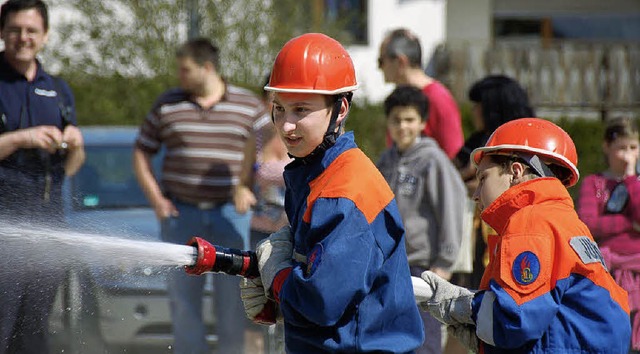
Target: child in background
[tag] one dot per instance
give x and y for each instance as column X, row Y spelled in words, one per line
column 610, row 206
column 429, row 192
column 339, row 273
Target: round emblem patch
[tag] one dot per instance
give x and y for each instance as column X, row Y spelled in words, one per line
column 526, row 268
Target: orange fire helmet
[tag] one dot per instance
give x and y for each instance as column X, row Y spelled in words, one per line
column 533, row 137
column 313, row 63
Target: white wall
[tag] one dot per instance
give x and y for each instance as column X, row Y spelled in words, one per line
column 469, row 21
column 426, row 18
column 556, row 7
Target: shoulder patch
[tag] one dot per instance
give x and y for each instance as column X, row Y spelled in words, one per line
column 526, row 261
column 587, row 250
column 526, row 268
column 314, row 259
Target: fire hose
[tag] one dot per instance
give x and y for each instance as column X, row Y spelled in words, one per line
column 231, row 261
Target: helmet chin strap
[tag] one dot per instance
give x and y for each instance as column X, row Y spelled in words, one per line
column 541, row 169
column 330, row 136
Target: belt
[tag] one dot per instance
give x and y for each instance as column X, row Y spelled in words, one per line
column 208, row 205
column 202, row 205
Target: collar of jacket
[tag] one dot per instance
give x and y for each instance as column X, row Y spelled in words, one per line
column 532, row 192
column 8, row 73
column 344, row 142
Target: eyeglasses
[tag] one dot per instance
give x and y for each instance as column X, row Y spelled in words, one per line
column 18, row 31
column 382, row 59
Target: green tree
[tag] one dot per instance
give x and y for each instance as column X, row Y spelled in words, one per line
column 118, row 55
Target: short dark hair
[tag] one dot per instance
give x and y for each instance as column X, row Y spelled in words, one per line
column 407, row 96
column 401, row 41
column 502, row 100
column 620, row 127
column 201, row 50
column 13, row 6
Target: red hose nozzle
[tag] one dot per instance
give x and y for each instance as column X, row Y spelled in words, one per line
column 205, row 259
column 210, row 258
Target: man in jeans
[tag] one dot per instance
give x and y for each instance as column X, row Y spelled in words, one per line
column 208, row 129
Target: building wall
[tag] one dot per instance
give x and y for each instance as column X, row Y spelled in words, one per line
column 469, row 21
column 585, row 71
column 557, row 7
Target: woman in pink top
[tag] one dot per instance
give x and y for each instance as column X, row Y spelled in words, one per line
column 268, row 214
column 610, row 206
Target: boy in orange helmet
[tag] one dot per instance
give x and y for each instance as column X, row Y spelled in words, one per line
column 339, row 273
column 546, row 288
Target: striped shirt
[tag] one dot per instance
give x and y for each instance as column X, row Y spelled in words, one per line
column 204, row 147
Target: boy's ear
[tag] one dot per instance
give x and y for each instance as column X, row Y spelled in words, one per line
column 518, row 170
column 208, row 66
column 423, row 124
column 403, row 60
column 344, row 109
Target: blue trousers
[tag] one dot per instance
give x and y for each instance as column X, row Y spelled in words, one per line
column 222, row 226
column 25, row 302
column 29, row 280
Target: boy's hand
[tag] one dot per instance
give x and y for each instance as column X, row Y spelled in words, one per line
column 256, row 305
column 450, row 304
column 274, row 254
column 631, row 159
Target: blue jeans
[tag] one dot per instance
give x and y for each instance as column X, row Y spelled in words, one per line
column 222, row 226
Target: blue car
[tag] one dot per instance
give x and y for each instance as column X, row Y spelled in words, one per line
column 114, row 308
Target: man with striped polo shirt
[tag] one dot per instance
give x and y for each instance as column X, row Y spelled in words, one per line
column 208, row 129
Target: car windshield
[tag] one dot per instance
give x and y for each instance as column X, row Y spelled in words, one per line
column 106, row 180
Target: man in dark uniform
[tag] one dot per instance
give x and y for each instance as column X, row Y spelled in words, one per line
column 39, row 144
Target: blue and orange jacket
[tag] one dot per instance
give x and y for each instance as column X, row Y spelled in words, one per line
column 546, row 288
column 351, row 290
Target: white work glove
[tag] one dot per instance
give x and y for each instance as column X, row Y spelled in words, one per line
column 449, row 304
column 256, row 305
column 466, row 335
column 274, row 254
